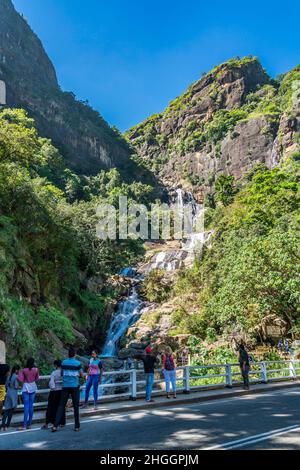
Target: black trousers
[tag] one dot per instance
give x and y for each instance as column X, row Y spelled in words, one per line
column 7, row 416
column 52, row 408
column 245, row 374
column 66, row 393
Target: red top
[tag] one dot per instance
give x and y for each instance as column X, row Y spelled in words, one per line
column 171, row 359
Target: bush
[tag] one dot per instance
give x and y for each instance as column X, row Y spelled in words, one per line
column 155, row 287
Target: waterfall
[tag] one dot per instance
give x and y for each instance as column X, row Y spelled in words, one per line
column 129, row 310
column 126, row 315
column 195, row 240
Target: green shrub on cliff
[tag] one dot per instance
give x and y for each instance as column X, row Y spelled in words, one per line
column 48, row 237
column 253, row 267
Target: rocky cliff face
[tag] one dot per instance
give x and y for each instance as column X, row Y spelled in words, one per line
column 84, row 138
column 231, row 119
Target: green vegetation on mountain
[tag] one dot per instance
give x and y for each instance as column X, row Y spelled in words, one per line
column 80, row 133
column 253, row 267
column 232, row 114
column 48, row 242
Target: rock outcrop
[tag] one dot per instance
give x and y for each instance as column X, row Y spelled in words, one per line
column 230, row 120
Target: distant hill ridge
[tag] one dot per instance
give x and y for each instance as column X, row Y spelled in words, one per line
column 84, row 138
column 231, row 119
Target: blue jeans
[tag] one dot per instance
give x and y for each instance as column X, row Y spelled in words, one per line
column 28, row 400
column 92, row 381
column 149, row 385
column 170, row 377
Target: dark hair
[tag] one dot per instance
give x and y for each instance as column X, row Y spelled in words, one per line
column 242, row 347
column 14, row 369
column 72, row 352
column 30, row 363
column 57, row 363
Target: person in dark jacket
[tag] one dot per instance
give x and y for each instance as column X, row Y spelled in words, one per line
column 149, row 361
column 244, row 365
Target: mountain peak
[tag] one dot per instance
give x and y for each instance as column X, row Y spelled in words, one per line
column 83, row 137
column 20, row 47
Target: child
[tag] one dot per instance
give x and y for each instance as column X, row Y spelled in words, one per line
column 11, row 398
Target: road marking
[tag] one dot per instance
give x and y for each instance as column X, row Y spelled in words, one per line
column 127, row 414
column 175, row 409
column 85, row 421
column 254, row 439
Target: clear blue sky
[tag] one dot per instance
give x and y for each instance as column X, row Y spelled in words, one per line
column 129, row 58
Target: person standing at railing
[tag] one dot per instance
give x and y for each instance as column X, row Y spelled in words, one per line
column 28, row 376
column 93, row 378
column 71, row 371
column 149, row 361
column 244, row 365
column 169, row 371
column 11, row 398
column 286, row 347
column 4, row 371
column 129, row 362
column 55, row 385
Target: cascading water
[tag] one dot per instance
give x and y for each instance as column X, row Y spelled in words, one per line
column 195, row 240
column 127, row 314
column 129, row 310
column 191, row 246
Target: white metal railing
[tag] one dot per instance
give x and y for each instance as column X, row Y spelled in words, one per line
column 131, row 383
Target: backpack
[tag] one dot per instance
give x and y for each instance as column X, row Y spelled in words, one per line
column 169, row 363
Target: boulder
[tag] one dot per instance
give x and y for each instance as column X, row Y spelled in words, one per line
column 95, row 284
column 130, row 352
column 80, row 340
column 273, row 327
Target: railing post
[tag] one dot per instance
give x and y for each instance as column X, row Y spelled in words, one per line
column 133, row 385
column 228, row 370
column 263, row 373
column 186, row 379
column 293, row 374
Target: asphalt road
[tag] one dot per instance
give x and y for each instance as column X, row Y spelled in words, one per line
column 266, row 421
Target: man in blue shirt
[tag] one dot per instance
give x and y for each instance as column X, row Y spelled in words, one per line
column 71, row 372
